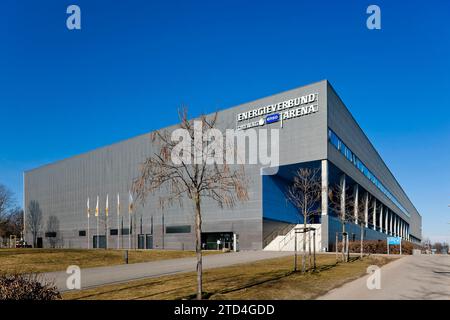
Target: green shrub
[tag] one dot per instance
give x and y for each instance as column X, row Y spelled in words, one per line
column 26, row 287
column 380, row 246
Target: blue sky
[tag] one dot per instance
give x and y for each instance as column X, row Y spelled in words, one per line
column 134, row 62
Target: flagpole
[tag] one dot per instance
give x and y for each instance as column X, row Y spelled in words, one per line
column 98, row 240
column 106, row 235
column 107, row 219
column 129, row 230
column 118, row 222
column 122, row 238
column 130, row 209
column 96, row 214
column 88, row 214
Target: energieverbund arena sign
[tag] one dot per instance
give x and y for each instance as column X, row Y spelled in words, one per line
column 283, row 110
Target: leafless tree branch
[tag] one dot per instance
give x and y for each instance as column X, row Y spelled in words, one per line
column 194, row 180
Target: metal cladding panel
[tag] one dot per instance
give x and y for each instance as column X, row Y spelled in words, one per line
column 344, row 125
column 62, row 188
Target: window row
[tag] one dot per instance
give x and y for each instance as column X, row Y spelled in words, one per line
column 112, row 232
column 347, row 153
column 125, row 231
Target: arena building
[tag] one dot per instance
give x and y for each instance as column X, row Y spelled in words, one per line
column 316, row 130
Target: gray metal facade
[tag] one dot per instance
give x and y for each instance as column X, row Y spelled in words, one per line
column 62, row 188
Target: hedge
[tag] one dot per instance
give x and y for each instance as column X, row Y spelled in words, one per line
column 380, row 246
column 26, row 287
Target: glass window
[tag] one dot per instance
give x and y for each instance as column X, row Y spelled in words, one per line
column 82, row 233
column 346, row 152
column 178, row 229
column 333, row 139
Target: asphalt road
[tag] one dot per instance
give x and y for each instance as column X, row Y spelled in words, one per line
column 419, row 277
column 92, row 277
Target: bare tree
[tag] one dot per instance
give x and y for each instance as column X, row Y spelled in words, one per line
column 34, row 220
column 189, row 177
column 342, row 205
column 13, row 223
column 426, row 243
column 6, row 202
column 360, row 206
column 304, row 193
column 438, row 246
column 53, row 230
column 8, row 213
column 441, row 247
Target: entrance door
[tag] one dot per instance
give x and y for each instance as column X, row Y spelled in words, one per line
column 149, row 241
column 101, row 243
column 217, row 240
column 141, row 241
column 39, row 242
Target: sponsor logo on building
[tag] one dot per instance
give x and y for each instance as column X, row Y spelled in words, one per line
column 273, row 118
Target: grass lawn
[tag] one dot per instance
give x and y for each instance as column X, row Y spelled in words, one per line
column 44, row 260
column 268, row 279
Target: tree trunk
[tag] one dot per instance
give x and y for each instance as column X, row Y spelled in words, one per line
column 362, row 241
column 336, row 245
column 309, row 251
column 344, row 256
column 347, row 247
column 198, row 245
column 304, row 244
column 295, row 250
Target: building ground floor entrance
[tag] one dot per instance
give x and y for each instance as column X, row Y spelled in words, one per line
column 217, row 240
column 145, row 241
column 99, row 242
column 39, row 243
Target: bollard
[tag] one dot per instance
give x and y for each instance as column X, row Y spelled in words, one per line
column 125, row 256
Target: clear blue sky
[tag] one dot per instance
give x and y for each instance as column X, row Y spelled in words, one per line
column 134, row 62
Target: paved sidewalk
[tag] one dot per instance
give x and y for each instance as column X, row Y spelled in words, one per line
column 411, row 277
column 92, row 277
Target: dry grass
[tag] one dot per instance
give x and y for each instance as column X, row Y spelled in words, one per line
column 268, row 279
column 308, row 286
column 45, row 260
